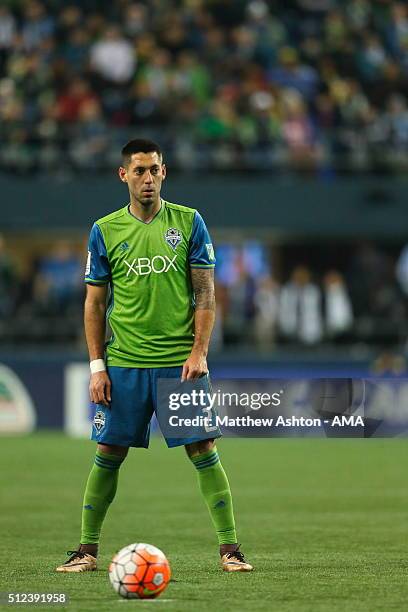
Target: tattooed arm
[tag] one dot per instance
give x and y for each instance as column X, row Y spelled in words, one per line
column 203, row 286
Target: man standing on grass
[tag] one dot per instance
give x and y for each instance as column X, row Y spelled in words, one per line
column 155, row 262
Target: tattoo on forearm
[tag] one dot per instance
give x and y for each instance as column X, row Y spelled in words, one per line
column 203, row 287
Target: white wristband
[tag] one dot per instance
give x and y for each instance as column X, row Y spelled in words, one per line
column 97, row 365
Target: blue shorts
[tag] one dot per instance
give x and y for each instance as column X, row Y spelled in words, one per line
column 126, row 421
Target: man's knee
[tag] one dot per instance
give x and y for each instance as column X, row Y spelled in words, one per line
column 113, row 449
column 198, row 448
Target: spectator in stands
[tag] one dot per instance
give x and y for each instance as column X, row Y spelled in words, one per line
column 113, row 57
column 37, row 24
column 359, row 13
column 8, row 30
column 75, row 51
column 8, row 282
column 58, row 283
column 336, row 31
column 397, row 120
column 378, row 300
column 291, row 74
column 266, row 302
column 90, row 141
column 300, row 308
column 297, row 130
column 372, row 58
column 338, row 312
column 397, row 30
column 240, row 307
column 135, row 19
column 75, row 96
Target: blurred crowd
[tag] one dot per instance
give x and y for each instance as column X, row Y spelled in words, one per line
column 365, row 303
column 312, row 85
column 41, row 295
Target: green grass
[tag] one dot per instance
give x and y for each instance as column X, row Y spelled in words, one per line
column 323, row 521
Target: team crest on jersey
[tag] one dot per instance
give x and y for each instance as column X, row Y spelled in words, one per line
column 99, row 420
column 173, row 237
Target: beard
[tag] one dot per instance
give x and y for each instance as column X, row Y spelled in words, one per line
column 145, row 200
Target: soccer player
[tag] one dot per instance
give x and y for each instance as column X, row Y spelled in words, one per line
column 153, row 262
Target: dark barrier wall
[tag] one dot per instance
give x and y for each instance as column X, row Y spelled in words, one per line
column 44, row 376
column 352, row 207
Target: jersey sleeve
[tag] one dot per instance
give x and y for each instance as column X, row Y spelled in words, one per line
column 97, row 270
column 201, row 253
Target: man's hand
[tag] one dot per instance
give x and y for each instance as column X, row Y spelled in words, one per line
column 195, row 366
column 100, row 388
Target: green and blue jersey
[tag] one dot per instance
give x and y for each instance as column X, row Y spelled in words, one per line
column 147, row 266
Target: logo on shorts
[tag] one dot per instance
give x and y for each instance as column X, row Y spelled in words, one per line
column 99, row 420
column 173, row 237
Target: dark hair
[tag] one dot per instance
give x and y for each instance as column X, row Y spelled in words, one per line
column 139, row 145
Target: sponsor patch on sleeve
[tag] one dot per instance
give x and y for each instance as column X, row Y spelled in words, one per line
column 88, row 264
column 210, row 251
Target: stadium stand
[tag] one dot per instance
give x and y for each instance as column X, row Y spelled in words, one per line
column 310, row 85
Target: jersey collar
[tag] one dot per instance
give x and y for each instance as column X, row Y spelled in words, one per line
column 152, row 220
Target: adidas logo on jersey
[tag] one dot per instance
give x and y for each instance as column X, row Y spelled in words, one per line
column 144, row 265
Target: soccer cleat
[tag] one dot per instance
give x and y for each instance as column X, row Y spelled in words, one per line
column 234, row 561
column 78, row 562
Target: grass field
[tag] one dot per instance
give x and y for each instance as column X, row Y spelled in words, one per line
column 324, row 522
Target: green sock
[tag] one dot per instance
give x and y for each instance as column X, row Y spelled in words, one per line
column 99, row 493
column 216, row 491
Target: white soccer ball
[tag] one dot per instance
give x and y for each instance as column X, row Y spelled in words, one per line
column 139, row 571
